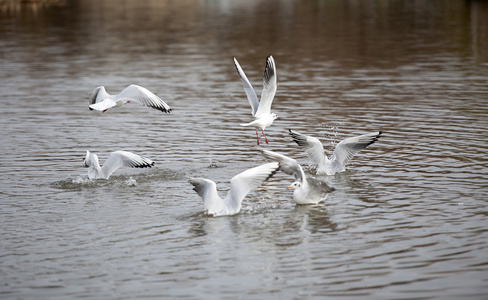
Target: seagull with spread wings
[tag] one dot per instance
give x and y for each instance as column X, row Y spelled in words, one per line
column 261, row 110
column 240, row 185
column 343, row 152
column 114, row 161
column 101, row 100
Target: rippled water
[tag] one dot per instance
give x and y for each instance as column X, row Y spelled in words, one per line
column 408, row 219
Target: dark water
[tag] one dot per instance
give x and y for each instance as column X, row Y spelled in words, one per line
column 408, row 219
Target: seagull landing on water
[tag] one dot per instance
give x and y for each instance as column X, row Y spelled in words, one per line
column 114, row 161
column 101, row 100
column 240, row 186
column 306, row 190
column 342, row 154
column 261, row 110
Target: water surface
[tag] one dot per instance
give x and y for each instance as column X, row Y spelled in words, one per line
column 407, row 220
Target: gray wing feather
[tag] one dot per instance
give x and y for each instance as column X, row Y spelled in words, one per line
column 269, row 87
column 143, row 96
column 120, row 159
column 245, row 182
column 320, row 186
column 313, row 147
column 287, row 164
column 92, row 99
column 347, row 148
column 97, row 95
column 251, row 94
column 207, row 190
column 202, row 185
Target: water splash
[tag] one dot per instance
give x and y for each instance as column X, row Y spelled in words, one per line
column 131, row 182
column 82, row 181
column 212, row 164
column 330, row 131
column 75, row 183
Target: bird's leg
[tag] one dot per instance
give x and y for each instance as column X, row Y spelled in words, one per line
column 265, row 138
column 257, row 135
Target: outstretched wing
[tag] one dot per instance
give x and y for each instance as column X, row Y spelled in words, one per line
column 320, row 186
column 100, row 100
column 245, row 182
column 97, row 95
column 207, row 189
column 120, row 159
column 346, row 149
column 143, row 96
column 287, row 164
column 251, row 94
column 269, row 88
column 313, row 147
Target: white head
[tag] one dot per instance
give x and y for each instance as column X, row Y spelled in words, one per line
column 90, row 160
column 275, row 116
column 295, row 185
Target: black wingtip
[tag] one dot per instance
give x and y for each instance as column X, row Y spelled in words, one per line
column 269, row 69
column 273, row 173
column 235, row 64
column 374, row 139
column 299, row 139
column 378, row 136
column 164, row 110
column 144, row 165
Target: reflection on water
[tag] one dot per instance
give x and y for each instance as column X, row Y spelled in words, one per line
column 407, row 219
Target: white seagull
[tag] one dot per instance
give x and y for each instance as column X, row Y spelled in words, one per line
column 101, row 100
column 342, row 154
column 261, row 110
column 240, row 186
column 114, row 161
column 306, row 190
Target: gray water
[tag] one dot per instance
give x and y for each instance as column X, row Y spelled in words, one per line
column 408, row 219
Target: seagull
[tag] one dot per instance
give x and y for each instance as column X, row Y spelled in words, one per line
column 240, row 186
column 114, row 161
column 343, row 151
column 261, row 110
column 101, row 100
column 306, row 190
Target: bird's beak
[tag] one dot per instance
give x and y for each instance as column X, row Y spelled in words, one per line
column 289, row 187
column 278, row 118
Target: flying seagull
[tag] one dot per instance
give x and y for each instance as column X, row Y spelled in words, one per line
column 100, row 100
column 342, row 154
column 261, row 110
